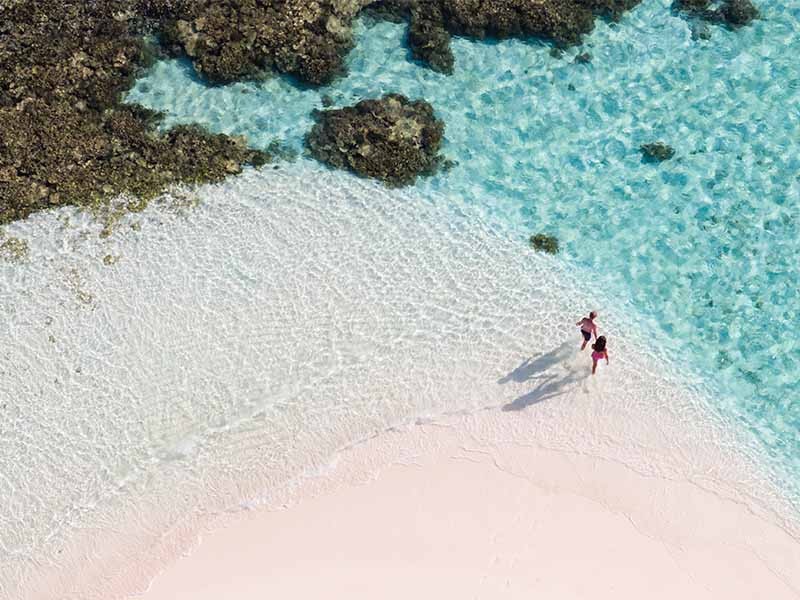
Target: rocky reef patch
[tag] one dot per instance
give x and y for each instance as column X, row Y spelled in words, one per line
column 656, row 152
column 66, row 138
column 228, row 40
column 432, row 22
column 544, row 243
column 392, row 139
column 732, row 13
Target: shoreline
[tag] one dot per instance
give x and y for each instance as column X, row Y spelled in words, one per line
column 384, row 361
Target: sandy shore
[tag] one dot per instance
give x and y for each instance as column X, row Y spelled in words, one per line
column 457, row 517
column 272, row 332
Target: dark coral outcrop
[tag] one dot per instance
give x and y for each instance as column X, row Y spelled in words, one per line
column 544, row 243
column 429, row 40
column 737, row 13
column 64, row 136
column 561, row 21
column 392, row 139
column 229, row 40
column 432, row 22
column 656, row 152
column 612, row 9
column 732, row 13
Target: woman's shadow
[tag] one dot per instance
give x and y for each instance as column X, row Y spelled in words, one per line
column 553, row 371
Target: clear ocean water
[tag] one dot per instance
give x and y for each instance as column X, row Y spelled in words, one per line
column 705, row 245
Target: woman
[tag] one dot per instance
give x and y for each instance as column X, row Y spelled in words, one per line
column 588, row 328
column 599, row 351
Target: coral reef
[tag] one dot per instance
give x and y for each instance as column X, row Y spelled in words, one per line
column 428, row 39
column 233, row 39
column 737, row 13
column 561, row 21
column 431, row 22
column 612, row 9
column 656, row 152
column 733, row 13
column 392, row 139
column 544, row 243
column 66, row 139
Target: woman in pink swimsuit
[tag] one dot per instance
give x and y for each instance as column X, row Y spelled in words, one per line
column 599, row 351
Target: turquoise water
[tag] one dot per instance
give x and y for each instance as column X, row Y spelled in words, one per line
column 705, row 245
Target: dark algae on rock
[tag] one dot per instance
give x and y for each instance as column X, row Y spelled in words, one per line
column 544, row 243
column 656, row 152
column 428, row 39
column 64, row 136
column 733, row 13
column 392, row 139
column 432, row 22
column 228, row 40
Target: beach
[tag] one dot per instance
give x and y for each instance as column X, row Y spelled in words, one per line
column 278, row 356
column 451, row 515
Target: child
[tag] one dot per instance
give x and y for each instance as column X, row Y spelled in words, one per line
column 588, row 328
column 599, row 351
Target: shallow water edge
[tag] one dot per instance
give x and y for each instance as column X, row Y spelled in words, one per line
column 240, row 340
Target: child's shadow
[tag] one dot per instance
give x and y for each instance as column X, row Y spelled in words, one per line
column 552, row 370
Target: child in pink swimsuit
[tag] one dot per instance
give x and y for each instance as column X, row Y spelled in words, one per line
column 599, row 351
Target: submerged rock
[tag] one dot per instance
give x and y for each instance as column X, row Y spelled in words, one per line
column 733, row 13
column 738, row 13
column 428, row 37
column 544, row 243
column 695, row 6
column 392, row 139
column 429, row 40
column 561, row 21
column 431, row 22
column 228, row 40
column 584, row 58
column 700, row 30
column 656, row 151
column 612, row 9
column 394, row 11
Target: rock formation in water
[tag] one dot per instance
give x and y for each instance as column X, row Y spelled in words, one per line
column 431, row 22
column 229, row 40
column 429, row 40
column 64, row 64
column 544, row 243
column 733, row 13
column 392, row 139
column 65, row 138
column 656, row 152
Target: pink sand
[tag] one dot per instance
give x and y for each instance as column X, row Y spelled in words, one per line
column 464, row 519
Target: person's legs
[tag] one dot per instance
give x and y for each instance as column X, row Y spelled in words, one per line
column 586, row 337
column 594, row 366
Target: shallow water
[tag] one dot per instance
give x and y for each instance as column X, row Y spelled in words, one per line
column 704, row 245
column 235, row 345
